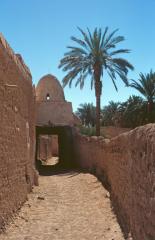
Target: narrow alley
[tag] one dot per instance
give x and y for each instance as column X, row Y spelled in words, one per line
column 69, row 206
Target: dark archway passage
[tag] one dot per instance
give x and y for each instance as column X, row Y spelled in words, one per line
column 65, row 142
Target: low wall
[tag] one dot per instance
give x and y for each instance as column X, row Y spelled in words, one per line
column 112, row 131
column 17, row 132
column 127, row 163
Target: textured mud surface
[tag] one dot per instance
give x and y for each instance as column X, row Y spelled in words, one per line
column 65, row 206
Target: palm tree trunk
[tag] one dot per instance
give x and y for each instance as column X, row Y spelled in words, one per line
column 97, row 115
column 98, row 90
column 150, row 106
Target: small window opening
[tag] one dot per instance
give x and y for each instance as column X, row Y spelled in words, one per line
column 47, row 97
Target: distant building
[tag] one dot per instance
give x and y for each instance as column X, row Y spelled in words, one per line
column 52, row 108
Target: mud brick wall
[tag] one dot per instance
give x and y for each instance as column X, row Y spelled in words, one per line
column 55, row 145
column 48, row 147
column 127, row 164
column 17, row 132
column 44, row 147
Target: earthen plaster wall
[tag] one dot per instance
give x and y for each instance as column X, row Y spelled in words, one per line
column 54, row 113
column 45, row 147
column 55, row 146
column 49, row 85
column 127, row 164
column 17, row 132
column 48, row 147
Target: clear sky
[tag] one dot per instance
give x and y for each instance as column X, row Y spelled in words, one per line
column 40, row 30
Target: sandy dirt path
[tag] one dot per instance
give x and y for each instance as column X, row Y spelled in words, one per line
column 66, row 207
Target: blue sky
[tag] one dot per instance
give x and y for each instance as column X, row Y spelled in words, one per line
column 40, row 30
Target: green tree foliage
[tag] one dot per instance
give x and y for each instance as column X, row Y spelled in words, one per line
column 146, row 86
column 131, row 113
column 88, row 131
column 94, row 53
column 108, row 113
column 86, row 112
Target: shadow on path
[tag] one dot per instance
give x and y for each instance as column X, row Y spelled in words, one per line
column 57, row 169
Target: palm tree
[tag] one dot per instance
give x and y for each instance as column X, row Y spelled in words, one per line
column 86, row 112
column 132, row 112
column 108, row 113
column 94, row 54
column 146, row 86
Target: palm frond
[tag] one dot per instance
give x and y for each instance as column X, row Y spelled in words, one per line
column 120, row 51
column 114, row 41
column 145, row 85
column 86, row 38
column 92, row 82
column 94, row 48
column 103, row 38
column 75, row 51
column 123, row 63
column 79, row 41
column 109, row 37
column 113, row 78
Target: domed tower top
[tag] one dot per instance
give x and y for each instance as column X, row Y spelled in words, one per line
column 49, row 89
